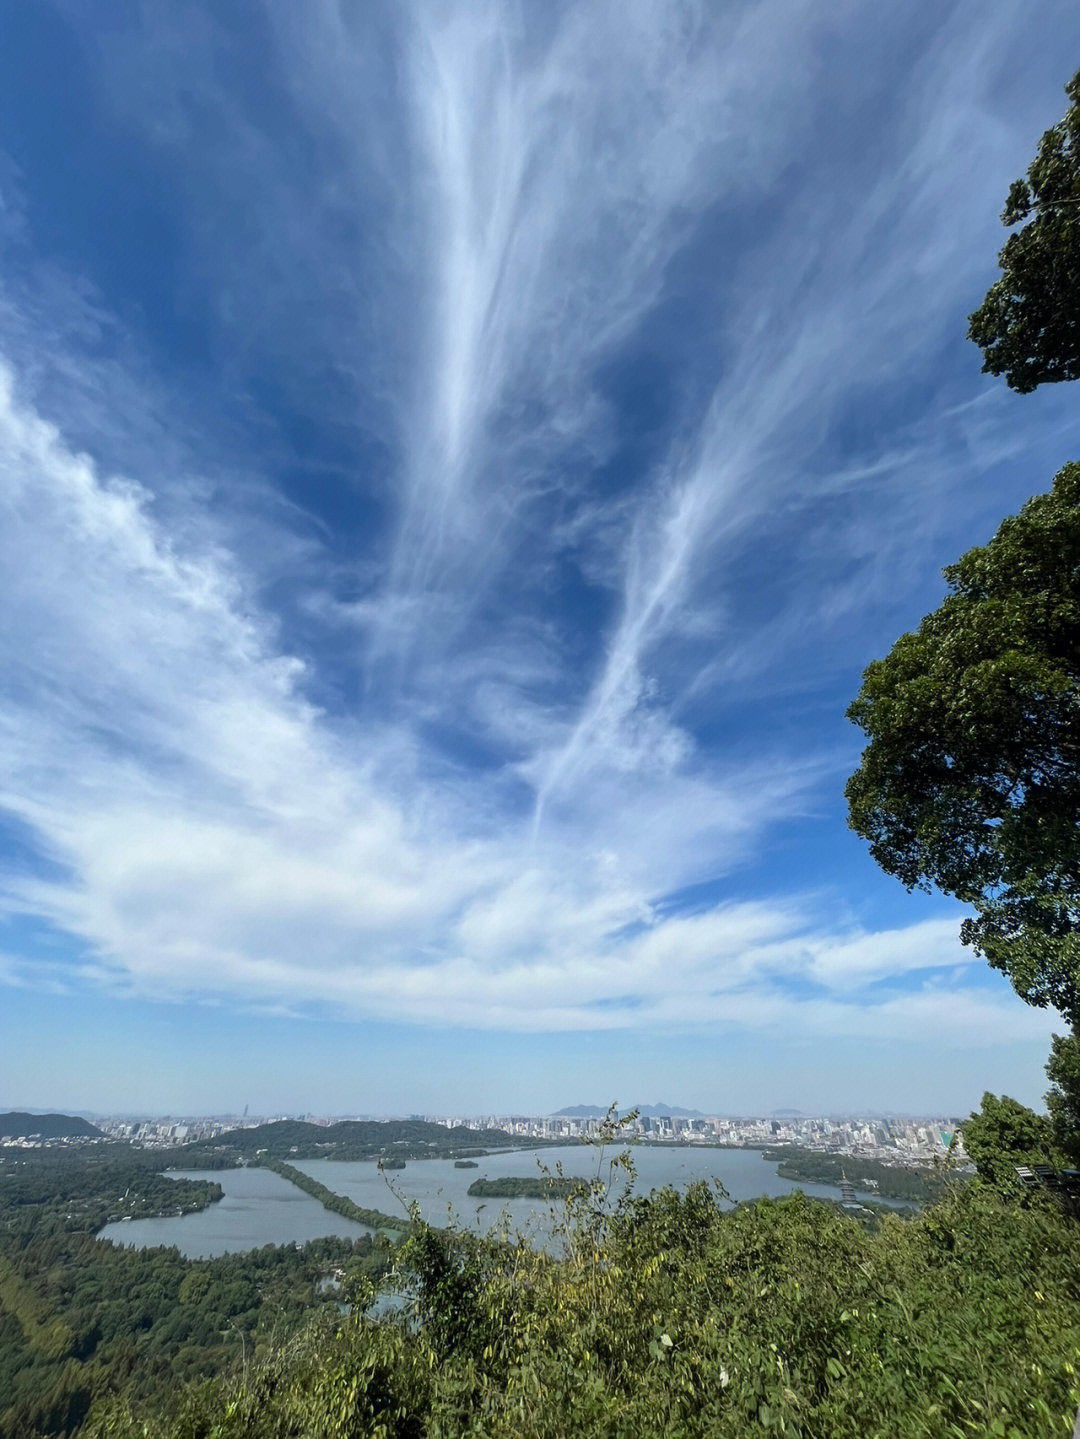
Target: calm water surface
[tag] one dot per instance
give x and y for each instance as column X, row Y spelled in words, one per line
column 261, row 1208
column 440, row 1189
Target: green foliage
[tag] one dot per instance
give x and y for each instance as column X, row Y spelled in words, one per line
column 890, row 1181
column 448, row 1273
column 668, row 1314
column 350, row 1139
column 1004, row 1134
column 85, row 1188
column 1063, row 1100
column 541, row 1186
column 971, row 780
column 1029, row 324
column 81, row 1318
column 683, row 1318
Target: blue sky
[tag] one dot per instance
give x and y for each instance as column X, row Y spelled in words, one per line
column 456, row 460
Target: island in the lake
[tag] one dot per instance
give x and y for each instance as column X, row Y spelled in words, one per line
column 465, row 1164
column 538, row 1186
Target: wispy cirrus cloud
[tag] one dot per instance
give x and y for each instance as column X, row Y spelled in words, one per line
column 217, row 837
column 598, row 376
column 159, row 745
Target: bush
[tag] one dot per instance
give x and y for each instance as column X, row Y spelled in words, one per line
column 676, row 1315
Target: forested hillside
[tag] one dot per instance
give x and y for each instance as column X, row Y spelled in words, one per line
column 15, row 1124
column 350, row 1139
column 890, row 1181
column 81, row 1318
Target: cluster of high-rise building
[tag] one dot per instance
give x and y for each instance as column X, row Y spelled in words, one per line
column 898, row 1140
column 47, row 1141
column 164, row 1133
column 891, row 1139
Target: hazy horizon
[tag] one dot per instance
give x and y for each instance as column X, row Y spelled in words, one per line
column 457, row 461
column 395, row 1116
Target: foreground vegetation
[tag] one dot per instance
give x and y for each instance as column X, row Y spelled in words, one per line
column 81, row 1318
column 668, row 1314
column 677, row 1316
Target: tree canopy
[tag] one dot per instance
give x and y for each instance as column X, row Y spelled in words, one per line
column 1004, row 1134
column 1028, row 326
column 971, row 779
column 1063, row 1099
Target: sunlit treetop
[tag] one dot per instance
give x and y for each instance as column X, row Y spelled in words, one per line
column 1028, row 326
column 971, row 779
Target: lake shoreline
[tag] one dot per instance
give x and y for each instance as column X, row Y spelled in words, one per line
column 271, row 1209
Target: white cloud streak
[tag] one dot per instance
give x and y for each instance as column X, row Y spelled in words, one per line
column 209, row 819
column 217, row 839
column 219, row 834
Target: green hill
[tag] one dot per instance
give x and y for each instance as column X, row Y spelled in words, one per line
column 16, row 1124
column 352, row 1139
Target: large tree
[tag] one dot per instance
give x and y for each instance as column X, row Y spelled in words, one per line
column 1003, row 1134
column 1063, row 1099
column 971, row 779
column 1028, row 327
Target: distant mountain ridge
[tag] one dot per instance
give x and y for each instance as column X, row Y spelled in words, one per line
column 18, row 1124
column 647, row 1111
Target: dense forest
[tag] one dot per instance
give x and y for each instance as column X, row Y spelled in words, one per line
column 890, row 1181
column 16, row 1124
column 535, row 1186
column 85, row 1188
column 349, row 1139
column 81, row 1318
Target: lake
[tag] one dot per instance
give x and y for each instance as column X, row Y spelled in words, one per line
column 261, row 1208
column 440, row 1189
